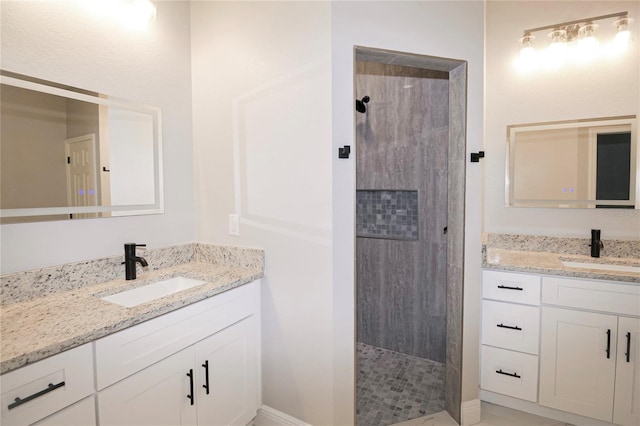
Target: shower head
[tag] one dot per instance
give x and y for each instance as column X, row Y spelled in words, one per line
column 360, row 104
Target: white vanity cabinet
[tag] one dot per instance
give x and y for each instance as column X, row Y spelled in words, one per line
column 37, row 391
column 589, row 360
column 211, row 376
column 510, row 334
column 211, row 383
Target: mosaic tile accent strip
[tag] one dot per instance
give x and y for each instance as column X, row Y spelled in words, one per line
column 392, row 387
column 387, row 214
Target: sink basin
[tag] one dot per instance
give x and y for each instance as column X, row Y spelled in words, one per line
column 147, row 293
column 602, row 266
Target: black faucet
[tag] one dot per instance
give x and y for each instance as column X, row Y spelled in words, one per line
column 596, row 243
column 130, row 260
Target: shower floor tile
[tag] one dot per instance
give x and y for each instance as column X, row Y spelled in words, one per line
column 393, row 387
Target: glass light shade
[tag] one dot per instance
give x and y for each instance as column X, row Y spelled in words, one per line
column 621, row 41
column 527, row 60
column 588, row 45
column 623, row 37
column 555, row 54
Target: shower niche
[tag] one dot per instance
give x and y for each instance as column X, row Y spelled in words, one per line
column 385, row 214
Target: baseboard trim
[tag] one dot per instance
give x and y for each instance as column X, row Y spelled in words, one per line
column 268, row 416
column 470, row 412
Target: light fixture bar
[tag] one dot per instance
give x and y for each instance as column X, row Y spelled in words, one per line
column 578, row 21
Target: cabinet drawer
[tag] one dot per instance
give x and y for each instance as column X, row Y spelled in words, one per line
column 597, row 295
column 510, row 373
column 510, row 326
column 53, row 384
column 131, row 350
column 511, row 287
column 81, row 413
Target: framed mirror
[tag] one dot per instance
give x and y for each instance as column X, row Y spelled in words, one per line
column 590, row 163
column 68, row 153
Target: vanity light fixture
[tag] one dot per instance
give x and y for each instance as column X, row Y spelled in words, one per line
column 573, row 42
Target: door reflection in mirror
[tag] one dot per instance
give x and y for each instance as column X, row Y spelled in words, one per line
column 75, row 154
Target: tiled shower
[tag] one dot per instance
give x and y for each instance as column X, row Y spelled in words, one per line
column 401, row 245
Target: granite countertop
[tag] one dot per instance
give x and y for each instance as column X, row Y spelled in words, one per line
column 551, row 263
column 34, row 329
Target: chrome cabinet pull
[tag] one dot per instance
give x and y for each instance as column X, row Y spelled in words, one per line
column 19, row 401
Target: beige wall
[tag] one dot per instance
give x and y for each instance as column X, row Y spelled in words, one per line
column 33, row 158
column 607, row 88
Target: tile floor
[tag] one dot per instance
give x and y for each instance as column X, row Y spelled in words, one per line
column 393, row 387
column 403, row 390
column 492, row 415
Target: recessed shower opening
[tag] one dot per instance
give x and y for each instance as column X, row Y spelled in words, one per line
column 410, row 168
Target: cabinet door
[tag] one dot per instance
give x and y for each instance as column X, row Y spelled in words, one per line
column 230, row 359
column 626, row 409
column 576, row 374
column 81, row 413
column 157, row 395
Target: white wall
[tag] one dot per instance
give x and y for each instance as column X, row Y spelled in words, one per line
column 606, row 88
column 263, row 79
column 60, row 41
column 262, row 132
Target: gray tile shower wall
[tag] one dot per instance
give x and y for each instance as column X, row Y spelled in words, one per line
column 387, row 214
column 402, row 143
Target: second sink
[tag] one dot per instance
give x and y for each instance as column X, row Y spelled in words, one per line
column 147, row 293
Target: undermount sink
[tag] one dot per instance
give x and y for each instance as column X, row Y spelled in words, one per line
column 601, row 266
column 147, row 293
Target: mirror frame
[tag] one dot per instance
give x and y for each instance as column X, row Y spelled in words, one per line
column 157, row 207
column 634, row 190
